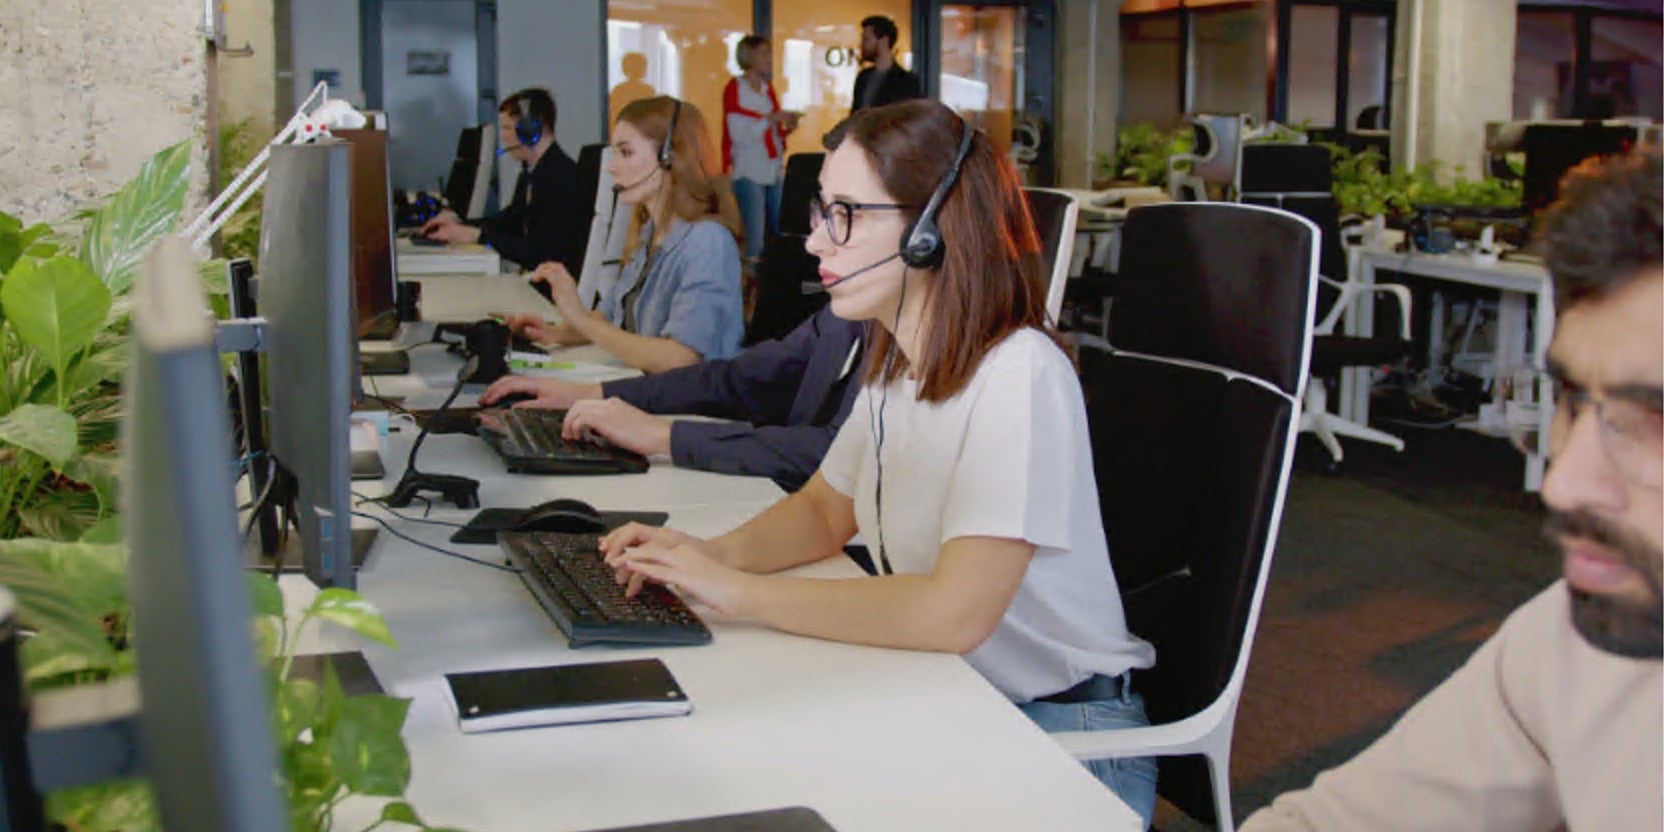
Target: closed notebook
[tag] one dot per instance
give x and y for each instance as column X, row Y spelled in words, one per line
column 493, row 700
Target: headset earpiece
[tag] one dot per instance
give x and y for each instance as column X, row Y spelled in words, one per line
column 667, row 151
column 921, row 245
column 528, row 129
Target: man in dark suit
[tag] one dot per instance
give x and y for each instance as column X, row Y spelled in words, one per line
column 884, row 82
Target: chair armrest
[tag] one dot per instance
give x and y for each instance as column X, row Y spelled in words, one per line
column 1349, row 292
column 1404, row 304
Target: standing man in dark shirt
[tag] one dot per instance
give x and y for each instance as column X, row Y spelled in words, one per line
column 546, row 220
column 885, row 81
column 787, row 398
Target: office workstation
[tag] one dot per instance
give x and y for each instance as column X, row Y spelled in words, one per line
column 1314, row 311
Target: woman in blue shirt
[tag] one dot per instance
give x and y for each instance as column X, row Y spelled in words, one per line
column 677, row 298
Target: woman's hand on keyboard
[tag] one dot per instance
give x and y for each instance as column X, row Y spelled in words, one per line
column 614, row 543
column 689, row 566
column 622, row 425
column 546, row 393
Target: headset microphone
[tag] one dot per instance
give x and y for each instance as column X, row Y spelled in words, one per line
column 507, row 147
column 618, row 189
column 817, row 288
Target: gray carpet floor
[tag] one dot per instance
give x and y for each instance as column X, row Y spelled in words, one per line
column 1387, row 576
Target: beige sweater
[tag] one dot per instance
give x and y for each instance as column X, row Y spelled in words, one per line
column 1538, row 731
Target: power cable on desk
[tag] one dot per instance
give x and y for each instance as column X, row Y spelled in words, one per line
column 362, row 499
column 429, row 546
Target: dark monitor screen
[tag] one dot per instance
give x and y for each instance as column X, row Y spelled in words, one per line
column 1553, row 149
column 306, row 296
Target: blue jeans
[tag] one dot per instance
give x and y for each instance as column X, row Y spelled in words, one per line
column 759, row 212
column 1133, row 779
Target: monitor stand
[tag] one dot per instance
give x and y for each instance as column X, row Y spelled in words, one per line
column 253, row 558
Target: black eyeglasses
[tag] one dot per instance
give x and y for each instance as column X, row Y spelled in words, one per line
column 839, row 216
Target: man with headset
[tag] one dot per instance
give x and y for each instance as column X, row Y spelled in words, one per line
column 545, row 220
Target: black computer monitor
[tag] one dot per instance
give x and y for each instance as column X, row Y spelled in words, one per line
column 305, row 295
column 1553, row 149
column 205, row 724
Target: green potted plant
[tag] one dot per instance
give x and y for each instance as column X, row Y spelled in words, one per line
column 64, row 320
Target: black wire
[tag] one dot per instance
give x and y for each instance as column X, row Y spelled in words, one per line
column 429, row 546
column 878, row 449
column 468, row 369
column 382, row 502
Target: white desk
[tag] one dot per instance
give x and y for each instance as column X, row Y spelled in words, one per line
column 413, row 259
column 873, row 739
column 1521, row 284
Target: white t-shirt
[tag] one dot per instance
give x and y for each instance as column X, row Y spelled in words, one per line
column 1008, row 457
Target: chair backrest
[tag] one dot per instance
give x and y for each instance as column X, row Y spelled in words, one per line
column 1055, row 216
column 589, row 185
column 604, row 248
column 1193, row 412
column 469, row 182
column 786, row 266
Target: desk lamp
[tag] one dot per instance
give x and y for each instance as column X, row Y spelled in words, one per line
column 315, row 118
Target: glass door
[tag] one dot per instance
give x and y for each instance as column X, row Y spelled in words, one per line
column 996, row 66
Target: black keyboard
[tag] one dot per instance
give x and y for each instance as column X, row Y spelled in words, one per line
column 529, row 441
column 566, row 574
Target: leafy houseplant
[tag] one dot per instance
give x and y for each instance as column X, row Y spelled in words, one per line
column 64, row 321
column 1141, row 152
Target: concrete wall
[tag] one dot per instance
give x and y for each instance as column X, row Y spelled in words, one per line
column 1465, row 78
column 1088, row 88
column 559, row 46
column 248, row 82
column 89, row 90
column 324, row 34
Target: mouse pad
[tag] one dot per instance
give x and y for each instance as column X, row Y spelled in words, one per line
column 483, row 528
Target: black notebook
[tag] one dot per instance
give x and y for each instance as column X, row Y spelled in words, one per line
column 493, row 700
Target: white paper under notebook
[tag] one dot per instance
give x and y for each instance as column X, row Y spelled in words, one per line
column 495, row 700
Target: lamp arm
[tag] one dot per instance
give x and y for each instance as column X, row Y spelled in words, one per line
column 252, row 177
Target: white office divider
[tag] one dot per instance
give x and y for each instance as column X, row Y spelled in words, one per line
column 605, row 252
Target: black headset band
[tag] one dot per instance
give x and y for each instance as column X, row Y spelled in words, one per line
column 942, row 190
column 667, row 149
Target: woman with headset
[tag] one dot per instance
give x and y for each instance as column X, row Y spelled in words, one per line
column 677, row 298
column 544, row 220
column 962, row 462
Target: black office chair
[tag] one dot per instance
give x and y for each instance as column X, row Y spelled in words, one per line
column 589, row 181
column 786, row 266
column 1192, row 409
column 1298, row 178
column 1055, row 215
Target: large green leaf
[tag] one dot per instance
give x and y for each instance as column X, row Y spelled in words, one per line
column 124, row 805
column 11, row 241
column 49, row 656
column 60, row 513
column 99, row 471
column 298, row 701
column 400, row 812
column 350, row 610
column 57, row 306
column 93, row 575
column 102, row 363
column 48, row 604
column 366, row 750
column 142, row 211
column 40, row 429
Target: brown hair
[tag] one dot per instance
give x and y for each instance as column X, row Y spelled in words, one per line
column 1605, row 228
column 698, row 188
column 532, row 102
column 990, row 282
column 746, row 50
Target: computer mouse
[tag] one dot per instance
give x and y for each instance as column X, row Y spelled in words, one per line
column 562, row 515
